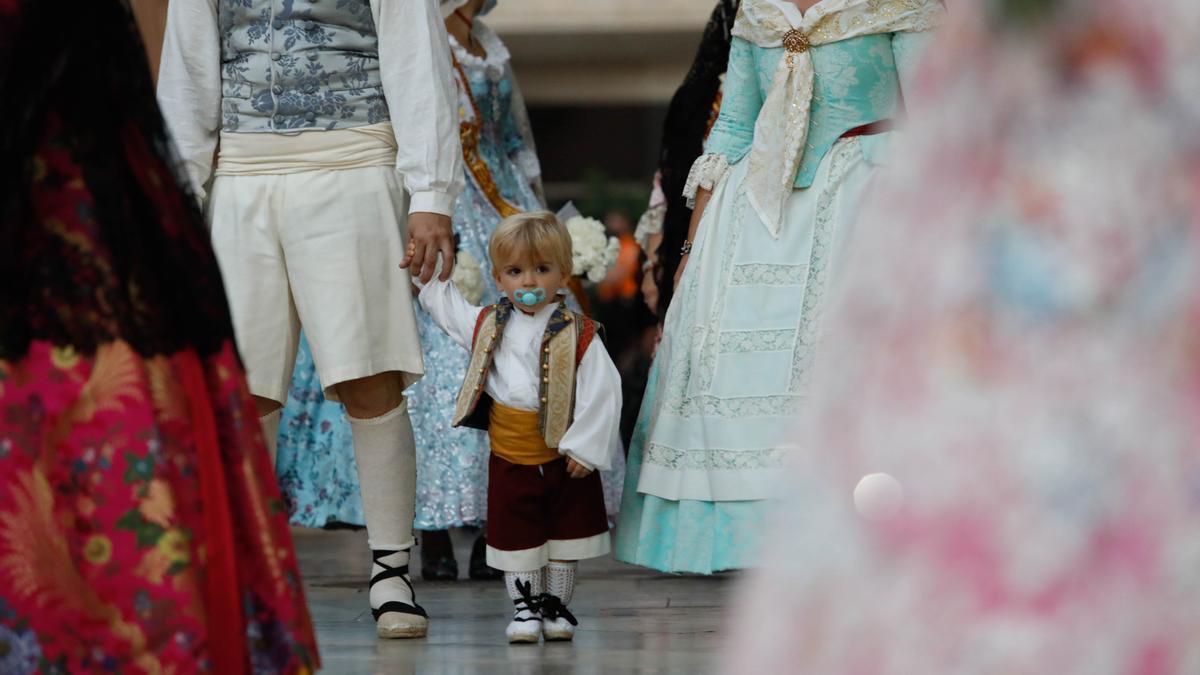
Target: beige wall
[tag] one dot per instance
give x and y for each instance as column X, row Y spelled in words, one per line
column 586, row 52
column 151, row 17
column 566, row 16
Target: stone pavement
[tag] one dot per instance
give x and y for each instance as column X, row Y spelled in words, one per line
column 632, row 620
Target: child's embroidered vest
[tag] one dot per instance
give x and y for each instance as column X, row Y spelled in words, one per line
column 567, row 338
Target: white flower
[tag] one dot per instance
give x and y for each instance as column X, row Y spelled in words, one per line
column 592, row 253
column 468, row 277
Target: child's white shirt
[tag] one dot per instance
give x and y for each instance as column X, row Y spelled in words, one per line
column 514, row 379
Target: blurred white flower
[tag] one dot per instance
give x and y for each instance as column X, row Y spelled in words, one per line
column 592, row 253
column 468, row 277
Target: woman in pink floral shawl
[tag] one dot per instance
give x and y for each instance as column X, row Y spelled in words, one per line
column 1019, row 349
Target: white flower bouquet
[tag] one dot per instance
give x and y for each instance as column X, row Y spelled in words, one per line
column 593, row 253
column 468, row 277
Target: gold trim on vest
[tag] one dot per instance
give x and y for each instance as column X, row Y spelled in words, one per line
column 560, row 344
column 477, row 369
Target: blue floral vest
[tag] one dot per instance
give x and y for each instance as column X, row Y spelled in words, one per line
column 299, row 64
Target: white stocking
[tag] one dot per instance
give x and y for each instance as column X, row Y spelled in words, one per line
column 524, row 598
column 387, row 473
column 560, row 580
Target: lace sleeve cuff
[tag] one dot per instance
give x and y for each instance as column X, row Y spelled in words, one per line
column 707, row 172
column 650, row 224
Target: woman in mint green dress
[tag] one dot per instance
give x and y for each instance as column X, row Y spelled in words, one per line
column 811, row 93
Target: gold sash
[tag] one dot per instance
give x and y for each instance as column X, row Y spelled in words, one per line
column 516, row 438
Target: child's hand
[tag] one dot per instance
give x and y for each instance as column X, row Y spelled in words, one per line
column 576, row 470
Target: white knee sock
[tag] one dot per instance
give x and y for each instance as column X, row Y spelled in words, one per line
column 387, row 475
column 270, row 430
column 560, row 580
column 523, row 610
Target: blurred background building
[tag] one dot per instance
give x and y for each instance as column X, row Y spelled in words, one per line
column 597, row 76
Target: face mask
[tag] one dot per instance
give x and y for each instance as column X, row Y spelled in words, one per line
column 529, row 298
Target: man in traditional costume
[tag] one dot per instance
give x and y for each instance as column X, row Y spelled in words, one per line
column 314, row 141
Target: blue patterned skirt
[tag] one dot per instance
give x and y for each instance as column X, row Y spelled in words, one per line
column 315, row 465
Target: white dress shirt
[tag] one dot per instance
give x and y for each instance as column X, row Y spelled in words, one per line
column 416, row 76
column 594, row 436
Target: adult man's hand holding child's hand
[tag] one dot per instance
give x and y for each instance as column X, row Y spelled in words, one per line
column 428, row 235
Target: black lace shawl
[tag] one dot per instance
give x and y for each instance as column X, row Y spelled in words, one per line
column 684, row 131
column 98, row 238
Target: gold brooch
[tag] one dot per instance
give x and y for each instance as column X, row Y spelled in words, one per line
column 796, row 42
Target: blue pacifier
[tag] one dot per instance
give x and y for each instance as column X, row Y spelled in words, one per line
column 529, row 298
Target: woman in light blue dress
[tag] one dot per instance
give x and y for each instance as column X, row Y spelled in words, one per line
column 811, row 91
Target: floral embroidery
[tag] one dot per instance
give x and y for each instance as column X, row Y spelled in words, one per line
column 133, row 582
column 740, row 342
column 714, row 459
column 707, row 173
column 64, row 358
column 20, row 652
column 844, row 158
column 733, row 408
column 287, row 69
column 317, row 471
column 760, row 274
column 98, row 549
column 117, row 451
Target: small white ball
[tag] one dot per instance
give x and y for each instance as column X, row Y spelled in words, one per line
column 878, row 496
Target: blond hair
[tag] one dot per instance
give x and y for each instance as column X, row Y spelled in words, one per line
column 531, row 237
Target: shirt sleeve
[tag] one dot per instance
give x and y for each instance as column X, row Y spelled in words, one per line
column 594, row 437
column 741, row 99
column 414, row 63
column 189, row 86
column 733, row 132
column 450, row 310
